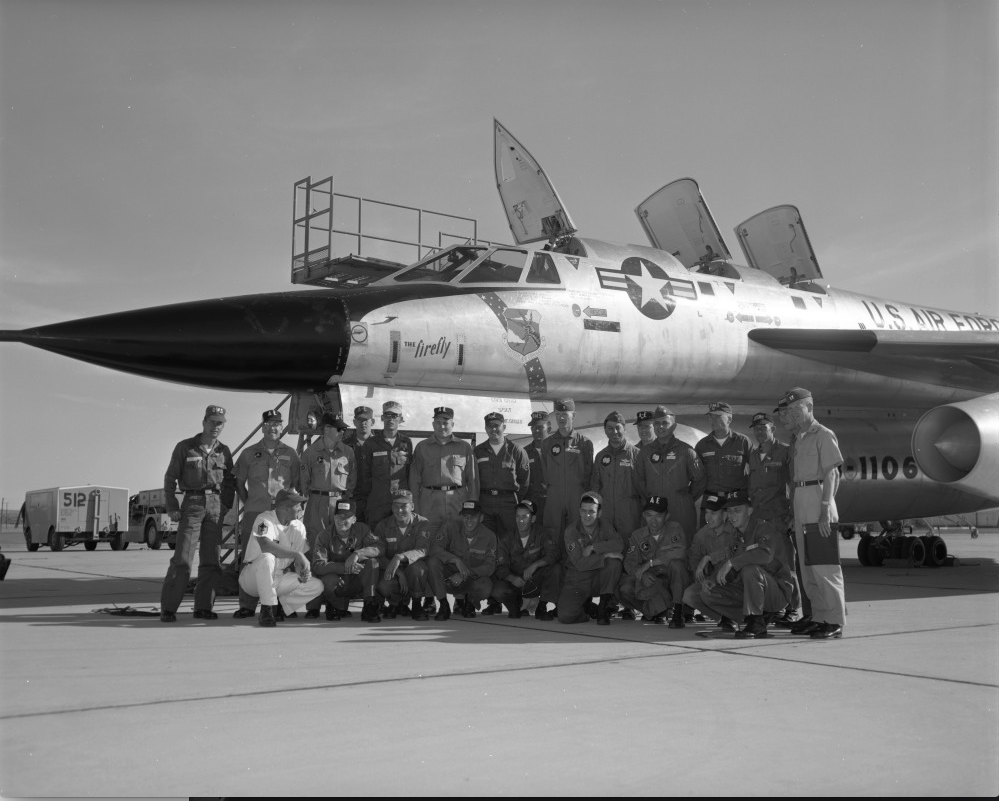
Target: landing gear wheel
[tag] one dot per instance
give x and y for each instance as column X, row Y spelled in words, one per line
column 936, row 552
column 31, row 546
column 847, row 532
column 913, row 551
column 877, row 550
column 56, row 541
column 862, row 547
column 153, row 539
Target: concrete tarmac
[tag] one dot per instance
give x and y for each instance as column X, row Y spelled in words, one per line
column 907, row 703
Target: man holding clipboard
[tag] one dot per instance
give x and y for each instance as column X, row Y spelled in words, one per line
column 815, row 478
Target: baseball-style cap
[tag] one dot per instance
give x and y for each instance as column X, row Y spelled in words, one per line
column 796, row 394
column 391, row 406
column 760, row 419
column 719, row 408
column 444, row 411
column 529, row 506
column 643, row 417
column 565, row 405
column 215, row 411
column 333, row 420
column 592, row 497
column 737, row 499
column 662, row 412
column 365, row 412
column 402, row 495
column 495, row 417
column 614, row 417
column 713, row 503
column 288, row 496
column 272, row 416
column 470, row 508
column 656, row 503
column 345, row 508
column 539, row 418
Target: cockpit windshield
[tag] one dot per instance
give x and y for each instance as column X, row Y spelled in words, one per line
column 501, row 267
column 444, row 266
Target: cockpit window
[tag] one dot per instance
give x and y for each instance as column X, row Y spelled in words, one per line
column 501, row 267
column 444, row 266
column 542, row 270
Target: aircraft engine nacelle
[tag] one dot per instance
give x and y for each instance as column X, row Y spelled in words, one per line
column 958, row 444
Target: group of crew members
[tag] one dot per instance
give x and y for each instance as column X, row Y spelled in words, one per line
column 370, row 516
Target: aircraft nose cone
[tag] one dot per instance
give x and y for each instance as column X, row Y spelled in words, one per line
column 276, row 342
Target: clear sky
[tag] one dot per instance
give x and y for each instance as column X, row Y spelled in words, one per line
column 148, row 152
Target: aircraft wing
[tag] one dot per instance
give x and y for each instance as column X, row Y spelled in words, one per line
column 964, row 360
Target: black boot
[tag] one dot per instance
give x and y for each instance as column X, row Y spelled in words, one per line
column 444, row 613
column 418, row 612
column 604, row 610
column 493, row 607
column 370, row 611
column 677, row 621
column 513, row 607
column 468, row 608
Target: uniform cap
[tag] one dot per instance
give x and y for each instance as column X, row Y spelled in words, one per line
column 471, row 508
column 760, row 419
column 402, row 495
column 364, row 412
column 737, row 499
column 539, row 417
column 719, row 408
column 614, row 417
column 335, row 420
column 713, row 503
column 215, row 411
column 643, row 417
column 565, row 405
column 272, row 416
column 796, row 394
column 391, row 406
column 529, row 506
column 345, row 508
column 287, row 496
column 662, row 412
column 656, row 503
column 444, row 411
column 592, row 497
column 495, row 417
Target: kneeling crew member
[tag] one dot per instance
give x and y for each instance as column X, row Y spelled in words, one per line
column 527, row 566
column 656, row 566
column 754, row 582
column 462, row 561
column 594, row 561
column 715, row 536
column 346, row 559
column 404, row 540
column 275, row 568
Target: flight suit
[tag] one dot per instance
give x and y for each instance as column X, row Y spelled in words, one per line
column 760, row 580
column 538, row 490
column 614, row 478
column 327, row 476
column 673, row 576
column 706, row 542
column 413, row 545
column 503, row 480
column 590, row 575
column 329, row 557
column 383, row 468
column 515, row 556
column 672, row 470
column 442, row 478
column 479, row 555
column 567, row 465
column 206, row 479
column 725, row 464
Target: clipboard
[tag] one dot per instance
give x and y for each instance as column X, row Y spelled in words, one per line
column 821, row 550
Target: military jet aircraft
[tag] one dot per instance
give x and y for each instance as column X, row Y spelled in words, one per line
column 912, row 392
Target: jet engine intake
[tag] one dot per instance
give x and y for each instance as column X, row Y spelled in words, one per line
column 959, row 444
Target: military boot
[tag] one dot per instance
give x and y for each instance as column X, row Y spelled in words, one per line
column 755, row 628
column 677, row 621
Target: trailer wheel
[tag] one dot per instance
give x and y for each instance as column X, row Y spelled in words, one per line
column 118, row 542
column 56, row 541
column 32, row 546
column 90, row 545
column 153, row 539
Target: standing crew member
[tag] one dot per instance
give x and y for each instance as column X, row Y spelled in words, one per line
column 672, row 470
column 594, row 557
column 567, row 464
column 724, row 454
column 329, row 472
column 201, row 467
column 462, row 561
column 364, row 424
column 816, row 478
column 504, row 476
column 540, row 429
column 276, row 569
column 383, row 464
column 614, row 479
column 443, row 475
column 646, row 430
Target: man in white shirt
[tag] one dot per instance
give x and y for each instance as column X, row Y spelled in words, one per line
column 275, row 567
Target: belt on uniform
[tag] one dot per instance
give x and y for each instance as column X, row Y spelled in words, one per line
column 498, row 492
column 721, row 493
column 444, row 487
column 330, row 493
column 205, row 491
column 811, row 483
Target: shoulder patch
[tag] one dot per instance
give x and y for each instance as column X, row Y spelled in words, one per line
column 556, row 450
column 606, row 460
column 656, row 458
